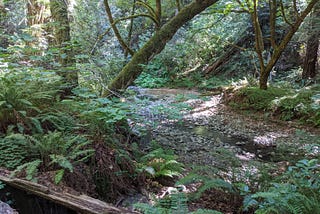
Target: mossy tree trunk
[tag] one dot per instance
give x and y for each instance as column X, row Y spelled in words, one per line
column 266, row 67
column 156, row 44
column 59, row 12
column 310, row 61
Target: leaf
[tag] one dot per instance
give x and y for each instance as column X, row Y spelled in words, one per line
column 61, row 161
column 150, row 170
column 59, row 175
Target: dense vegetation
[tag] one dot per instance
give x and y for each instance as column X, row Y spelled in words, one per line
column 66, row 116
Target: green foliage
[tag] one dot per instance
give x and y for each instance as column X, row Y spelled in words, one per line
column 303, row 105
column 31, row 169
column 174, row 203
column 54, row 150
column 61, row 148
column 102, row 115
column 171, row 204
column 213, row 82
column 14, row 149
column 23, row 95
column 154, row 75
column 256, row 99
column 297, row 191
column 206, row 184
column 160, row 163
column 285, row 103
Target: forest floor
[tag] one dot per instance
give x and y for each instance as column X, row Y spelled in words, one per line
column 212, row 138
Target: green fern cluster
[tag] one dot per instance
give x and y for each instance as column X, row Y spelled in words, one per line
column 55, row 150
column 22, row 97
column 159, row 162
column 206, row 184
column 297, row 191
column 14, row 150
column 171, row 204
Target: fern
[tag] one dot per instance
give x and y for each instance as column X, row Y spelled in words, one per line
column 31, row 169
column 23, row 96
column 159, row 162
column 59, row 175
column 61, row 161
column 14, row 150
column 207, row 183
column 299, row 194
column 204, row 211
column 171, row 204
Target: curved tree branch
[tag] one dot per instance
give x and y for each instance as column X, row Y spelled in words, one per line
column 115, row 29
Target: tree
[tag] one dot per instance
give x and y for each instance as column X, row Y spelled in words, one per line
column 310, row 61
column 292, row 18
column 156, row 44
column 59, row 12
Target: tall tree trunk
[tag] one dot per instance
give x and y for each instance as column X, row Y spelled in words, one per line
column 3, row 25
column 156, row 44
column 59, row 12
column 310, row 61
column 35, row 12
column 36, row 16
column 265, row 71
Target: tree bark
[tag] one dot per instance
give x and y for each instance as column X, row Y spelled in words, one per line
column 59, row 12
column 231, row 51
column 265, row 71
column 115, row 29
column 78, row 203
column 310, row 61
column 156, row 44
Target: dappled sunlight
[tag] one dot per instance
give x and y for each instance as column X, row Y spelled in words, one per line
column 203, row 108
column 269, row 139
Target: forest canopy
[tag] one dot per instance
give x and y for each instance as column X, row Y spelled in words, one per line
column 121, row 99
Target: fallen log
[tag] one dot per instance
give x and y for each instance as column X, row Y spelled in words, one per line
column 79, row 203
column 231, row 51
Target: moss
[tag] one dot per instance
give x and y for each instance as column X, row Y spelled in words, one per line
column 284, row 104
column 253, row 98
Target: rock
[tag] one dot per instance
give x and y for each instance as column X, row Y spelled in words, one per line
column 6, row 209
column 240, row 143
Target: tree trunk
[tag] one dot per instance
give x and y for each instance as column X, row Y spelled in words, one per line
column 156, row 44
column 59, row 12
column 231, row 51
column 265, row 72
column 310, row 61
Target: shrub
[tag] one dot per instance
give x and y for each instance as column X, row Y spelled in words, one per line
column 296, row 191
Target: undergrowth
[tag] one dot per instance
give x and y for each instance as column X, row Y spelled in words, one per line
column 286, row 104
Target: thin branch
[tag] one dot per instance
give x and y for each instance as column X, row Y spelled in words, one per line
column 240, row 11
column 98, row 39
column 158, row 13
column 258, row 34
column 178, row 5
column 152, row 13
column 273, row 12
column 284, row 14
column 147, row 6
column 296, row 12
column 133, row 11
column 115, row 29
column 136, row 16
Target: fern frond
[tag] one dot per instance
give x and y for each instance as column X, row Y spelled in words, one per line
column 214, row 184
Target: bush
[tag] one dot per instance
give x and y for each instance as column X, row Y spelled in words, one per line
column 253, row 98
column 296, row 191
